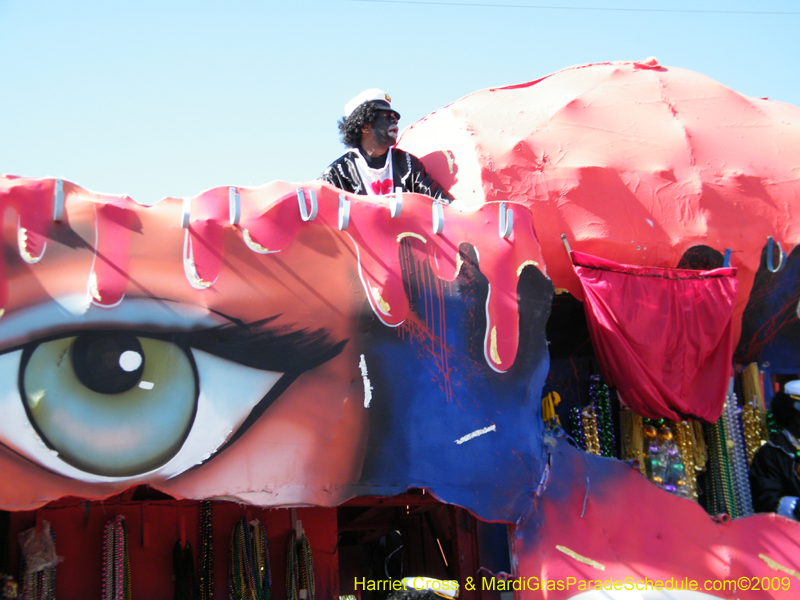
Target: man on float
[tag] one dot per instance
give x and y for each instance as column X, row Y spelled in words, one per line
column 775, row 472
column 372, row 165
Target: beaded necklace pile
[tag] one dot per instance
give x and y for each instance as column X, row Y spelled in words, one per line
column 632, row 443
column 593, row 426
column 601, row 403
column 684, row 438
column 732, row 418
column 206, row 577
column 754, row 414
column 299, row 569
column 249, row 576
column 183, row 565
column 116, row 563
column 729, row 489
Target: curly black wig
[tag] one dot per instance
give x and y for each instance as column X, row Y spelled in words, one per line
column 350, row 128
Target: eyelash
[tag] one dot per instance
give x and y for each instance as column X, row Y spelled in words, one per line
column 254, row 345
column 281, row 349
column 277, row 349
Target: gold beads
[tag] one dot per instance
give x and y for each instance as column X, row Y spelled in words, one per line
column 589, row 422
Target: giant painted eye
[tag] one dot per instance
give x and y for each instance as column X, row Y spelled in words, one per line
column 110, row 403
column 98, row 401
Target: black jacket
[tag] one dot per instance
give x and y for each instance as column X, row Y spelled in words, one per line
column 773, row 474
column 407, row 170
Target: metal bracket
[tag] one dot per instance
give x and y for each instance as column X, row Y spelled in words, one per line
column 781, row 261
column 396, row 203
column 566, row 243
column 187, row 209
column 344, row 212
column 438, row 217
column 235, row 205
column 506, row 221
column 58, row 200
column 305, row 214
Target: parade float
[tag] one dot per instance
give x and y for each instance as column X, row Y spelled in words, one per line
column 550, row 388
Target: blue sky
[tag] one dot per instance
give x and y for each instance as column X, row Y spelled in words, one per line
column 169, row 98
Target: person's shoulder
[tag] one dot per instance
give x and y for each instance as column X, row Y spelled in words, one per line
column 341, row 173
column 406, row 160
column 403, row 153
column 340, row 160
column 335, row 167
column 777, row 446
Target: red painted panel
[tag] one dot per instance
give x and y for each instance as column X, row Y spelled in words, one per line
column 79, row 540
column 600, row 520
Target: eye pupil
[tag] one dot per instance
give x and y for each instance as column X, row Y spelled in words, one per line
column 108, row 362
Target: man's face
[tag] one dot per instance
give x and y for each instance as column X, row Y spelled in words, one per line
column 384, row 128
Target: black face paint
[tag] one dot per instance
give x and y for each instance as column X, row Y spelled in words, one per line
column 384, row 128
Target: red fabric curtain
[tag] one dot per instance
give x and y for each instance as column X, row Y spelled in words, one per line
column 663, row 337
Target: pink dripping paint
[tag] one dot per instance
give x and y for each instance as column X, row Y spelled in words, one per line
column 208, row 217
column 372, row 226
column 376, row 235
column 115, row 218
column 271, row 225
column 32, row 201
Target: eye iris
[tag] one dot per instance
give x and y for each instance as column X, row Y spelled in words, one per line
column 108, row 363
column 103, row 408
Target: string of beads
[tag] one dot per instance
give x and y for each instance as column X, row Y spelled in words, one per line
column 751, row 424
column 700, row 447
column 249, row 576
column 754, row 396
column 589, row 424
column 638, row 441
column 183, row 566
column 738, row 459
column 299, row 569
column 599, row 394
column 291, row 569
column 721, row 494
column 116, row 562
column 206, row 566
column 576, row 427
column 684, row 436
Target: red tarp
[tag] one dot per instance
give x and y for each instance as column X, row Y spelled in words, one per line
column 634, row 161
column 663, row 337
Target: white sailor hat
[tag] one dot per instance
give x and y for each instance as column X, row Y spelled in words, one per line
column 792, row 387
column 375, row 96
